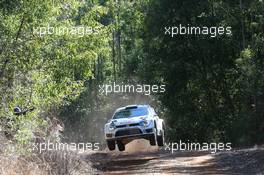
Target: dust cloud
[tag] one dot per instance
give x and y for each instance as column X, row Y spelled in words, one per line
column 140, row 145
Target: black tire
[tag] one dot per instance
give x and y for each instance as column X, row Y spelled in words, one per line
column 121, row 146
column 160, row 139
column 152, row 140
column 111, row 145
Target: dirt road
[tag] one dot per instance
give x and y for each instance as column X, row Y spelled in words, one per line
column 157, row 161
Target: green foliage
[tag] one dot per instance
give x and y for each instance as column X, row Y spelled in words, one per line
column 44, row 71
column 214, row 86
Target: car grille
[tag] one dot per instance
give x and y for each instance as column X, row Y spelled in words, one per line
column 123, row 126
column 134, row 124
column 128, row 132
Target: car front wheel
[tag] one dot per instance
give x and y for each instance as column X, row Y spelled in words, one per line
column 160, row 139
column 152, row 139
column 111, row 145
column 121, row 146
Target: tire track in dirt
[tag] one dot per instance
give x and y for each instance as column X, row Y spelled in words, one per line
column 154, row 161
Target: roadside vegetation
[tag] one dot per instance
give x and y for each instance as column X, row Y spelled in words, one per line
column 214, row 85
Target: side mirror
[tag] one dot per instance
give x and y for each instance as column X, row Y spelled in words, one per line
column 17, row 110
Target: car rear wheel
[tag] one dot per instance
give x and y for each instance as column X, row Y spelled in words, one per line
column 111, row 145
column 120, row 146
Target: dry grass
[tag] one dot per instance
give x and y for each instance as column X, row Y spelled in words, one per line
column 48, row 163
column 16, row 165
column 66, row 162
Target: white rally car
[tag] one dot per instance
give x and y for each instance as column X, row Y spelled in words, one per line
column 134, row 122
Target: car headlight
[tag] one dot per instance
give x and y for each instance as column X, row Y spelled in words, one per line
column 112, row 126
column 142, row 123
column 145, row 123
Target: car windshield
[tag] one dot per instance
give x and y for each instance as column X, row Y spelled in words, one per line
column 129, row 113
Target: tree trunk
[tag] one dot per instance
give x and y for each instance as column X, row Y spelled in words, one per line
column 242, row 25
column 114, row 55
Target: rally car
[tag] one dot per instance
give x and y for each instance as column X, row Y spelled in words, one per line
column 134, row 122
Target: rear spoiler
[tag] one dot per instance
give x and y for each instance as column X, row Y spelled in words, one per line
column 131, row 107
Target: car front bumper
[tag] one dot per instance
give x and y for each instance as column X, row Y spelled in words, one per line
column 130, row 133
column 134, row 136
